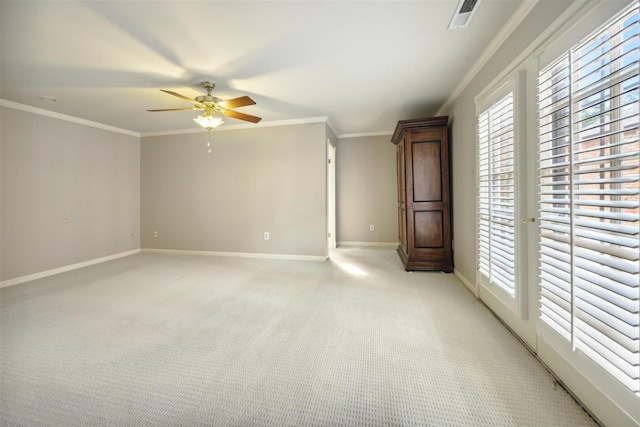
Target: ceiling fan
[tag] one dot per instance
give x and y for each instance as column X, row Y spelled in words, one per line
column 213, row 106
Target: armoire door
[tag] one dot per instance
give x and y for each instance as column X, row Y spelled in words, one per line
column 428, row 204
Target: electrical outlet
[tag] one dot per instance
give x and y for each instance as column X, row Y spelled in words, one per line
column 155, row 234
column 266, row 235
column 372, row 227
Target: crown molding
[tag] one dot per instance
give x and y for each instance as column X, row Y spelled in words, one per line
column 361, row 134
column 72, row 119
column 331, row 127
column 514, row 21
column 574, row 13
column 60, row 116
column 288, row 122
column 273, row 123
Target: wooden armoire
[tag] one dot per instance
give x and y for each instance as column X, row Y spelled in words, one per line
column 424, row 204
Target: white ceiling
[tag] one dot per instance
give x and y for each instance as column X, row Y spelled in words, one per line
column 363, row 64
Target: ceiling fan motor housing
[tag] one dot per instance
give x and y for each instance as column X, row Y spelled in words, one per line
column 207, row 98
column 208, row 86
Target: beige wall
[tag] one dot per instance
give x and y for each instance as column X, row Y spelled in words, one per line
column 255, row 180
column 52, row 168
column 367, row 191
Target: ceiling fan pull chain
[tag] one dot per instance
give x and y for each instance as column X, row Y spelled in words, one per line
column 209, row 141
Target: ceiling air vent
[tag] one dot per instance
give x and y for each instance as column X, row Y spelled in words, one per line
column 463, row 14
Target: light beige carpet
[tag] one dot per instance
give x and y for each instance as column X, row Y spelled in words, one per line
column 170, row 340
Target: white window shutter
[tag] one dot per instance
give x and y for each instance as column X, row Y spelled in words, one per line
column 589, row 187
column 496, row 195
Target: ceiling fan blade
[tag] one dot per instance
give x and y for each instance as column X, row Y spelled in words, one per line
column 179, row 96
column 174, row 109
column 243, row 101
column 241, row 116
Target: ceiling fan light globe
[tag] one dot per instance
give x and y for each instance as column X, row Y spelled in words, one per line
column 208, row 121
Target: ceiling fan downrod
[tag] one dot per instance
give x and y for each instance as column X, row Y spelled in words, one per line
column 209, row 86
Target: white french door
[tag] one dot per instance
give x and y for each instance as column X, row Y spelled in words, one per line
column 501, row 203
column 589, row 187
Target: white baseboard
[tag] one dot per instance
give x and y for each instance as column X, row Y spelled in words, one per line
column 47, row 273
column 238, row 254
column 383, row 244
column 472, row 288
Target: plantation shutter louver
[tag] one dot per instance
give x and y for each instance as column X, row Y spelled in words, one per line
column 496, row 197
column 589, row 180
